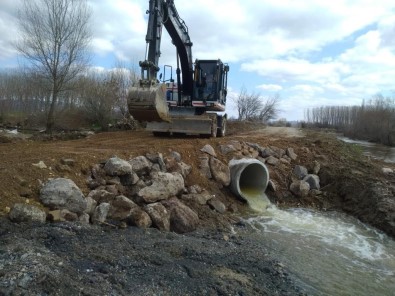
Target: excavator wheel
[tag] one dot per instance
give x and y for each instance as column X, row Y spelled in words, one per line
column 221, row 132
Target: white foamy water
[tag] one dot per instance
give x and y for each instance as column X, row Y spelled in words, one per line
column 331, row 253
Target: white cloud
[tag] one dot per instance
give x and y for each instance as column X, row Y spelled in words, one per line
column 270, row 87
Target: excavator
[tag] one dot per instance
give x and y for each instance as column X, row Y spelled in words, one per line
column 195, row 103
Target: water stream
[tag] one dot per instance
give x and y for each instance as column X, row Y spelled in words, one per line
column 377, row 151
column 329, row 252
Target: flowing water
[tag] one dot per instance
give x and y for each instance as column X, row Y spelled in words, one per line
column 329, row 252
column 374, row 150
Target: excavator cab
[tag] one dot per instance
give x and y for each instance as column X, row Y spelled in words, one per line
column 210, row 84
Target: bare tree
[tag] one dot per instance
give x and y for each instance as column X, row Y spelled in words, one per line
column 54, row 38
column 254, row 107
column 269, row 109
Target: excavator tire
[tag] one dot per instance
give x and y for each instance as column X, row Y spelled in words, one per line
column 147, row 103
column 221, row 132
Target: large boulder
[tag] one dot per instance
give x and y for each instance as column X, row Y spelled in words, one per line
column 26, row 213
column 159, row 215
column 182, row 218
column 164, row 186
column 117, row 167
column 62, row 193
column 220, row 171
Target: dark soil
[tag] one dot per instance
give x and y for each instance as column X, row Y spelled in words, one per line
column 72, row 259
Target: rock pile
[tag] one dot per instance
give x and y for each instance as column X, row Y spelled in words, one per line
column 150, row 190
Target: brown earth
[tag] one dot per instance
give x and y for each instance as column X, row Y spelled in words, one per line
column 20, row 180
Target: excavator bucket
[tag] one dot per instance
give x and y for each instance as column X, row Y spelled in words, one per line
column 148, row 103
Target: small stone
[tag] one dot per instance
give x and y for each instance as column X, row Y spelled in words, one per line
column 67, row 161
column 291, row 153
column 387, row 171
column 217, row 205
column 209, row 150
column 40, row 165
column 272, row 160
column 117, row 167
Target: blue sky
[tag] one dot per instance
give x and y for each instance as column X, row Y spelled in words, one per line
column 311, row 53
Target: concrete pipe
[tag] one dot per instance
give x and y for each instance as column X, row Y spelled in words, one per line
column 249, row 179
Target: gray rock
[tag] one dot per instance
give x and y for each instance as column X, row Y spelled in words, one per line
column 316, row 167
column 68, row 216
column 236, row 144
column 159, row 215
column 220, row 171
column 164, row 186
column 157, row 158
column 84, row 218
column 117, row 167
column 98, row 173
column 209, row 150
column 121, row 208
column 271, row 185
column 278, row 151
column 90, row 205
column 26, row 213
column 175, row 155
column 180, row 167
column 226, row 149
column 300, row 188
column 205, row 167
column 387, row 171
column 139, row 218
column 129, row 179
column 291, row 153
column 200, row 198
column 300, row 172
column 182, row 218
column 217, row 205
column 272, row 160
column 101, row 212
column 67, row 161
column 141, row 165
column 313, row 180
column 101, row 195
column 266, row 152
column 62, row 193
column 195, row 189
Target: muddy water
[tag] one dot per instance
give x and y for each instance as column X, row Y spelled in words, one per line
column 331, row 253
column 377, row 151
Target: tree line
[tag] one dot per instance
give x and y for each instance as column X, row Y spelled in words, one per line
column 95, row 98
column 374, row 120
